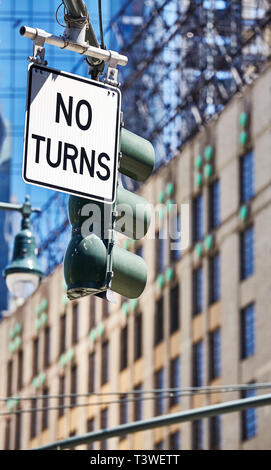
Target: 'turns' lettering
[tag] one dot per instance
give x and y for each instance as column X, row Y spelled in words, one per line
column 70, row 157
column 107, row 176
column 48, row 154
column 84, row 158
column 38, row 138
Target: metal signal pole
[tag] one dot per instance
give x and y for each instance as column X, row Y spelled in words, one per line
column 158, row 421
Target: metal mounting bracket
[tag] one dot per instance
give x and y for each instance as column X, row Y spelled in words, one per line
column 39, row 36
column 38, row 48
column 112, row 71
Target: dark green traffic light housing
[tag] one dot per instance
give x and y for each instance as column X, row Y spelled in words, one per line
column 137, row 160
column 93, row 262
column 85, row 262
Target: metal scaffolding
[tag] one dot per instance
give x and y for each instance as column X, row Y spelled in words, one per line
column 186, row 61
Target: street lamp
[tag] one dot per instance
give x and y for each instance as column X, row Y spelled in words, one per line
column 23, row 274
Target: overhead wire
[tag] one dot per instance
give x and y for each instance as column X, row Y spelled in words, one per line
column 137, row 396
column 60, row 24
column 101, row 24
column 192, row 390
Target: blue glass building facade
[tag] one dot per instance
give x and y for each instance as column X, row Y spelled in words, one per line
column 14, row 51
column 4, row 197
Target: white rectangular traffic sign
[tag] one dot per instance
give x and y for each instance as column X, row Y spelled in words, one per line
column 71, row 134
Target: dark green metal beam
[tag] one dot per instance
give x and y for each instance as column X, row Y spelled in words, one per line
column 158, row 421
column 77, row 9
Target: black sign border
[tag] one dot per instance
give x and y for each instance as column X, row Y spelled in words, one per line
column 85, row 80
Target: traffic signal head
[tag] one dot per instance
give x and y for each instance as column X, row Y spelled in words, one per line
column 85, row 269
column 137, row 159
column 93, row 262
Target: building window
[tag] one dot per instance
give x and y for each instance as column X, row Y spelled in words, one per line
column 160, row 251
column 61, row 400
column 73, row 385
column 197, row 208
column 159, row 322
column 92, row 312
column 18, row 425
column 138, row 336
column 34, row 423
column 104, row 424
column 174, row 441
column 91, row 372
column 124, row 348
column 104, row 378
column 197, row 434
column 215, row 432
column 247, row 331
column 45, row 411
column 138, row 403
column 197, row 291
column 247, row 253
column 246, row 177
column 90, row 428
column 174, row 309
column 214, row 205
column 160, row 445
column 7, row 434
column 105, row 309
column 198, row 364
column 159, row 385
column 214, row 279
column 123, row 409
column 35, row 361
column 215, row 353
column 75, row 323
column 62, row 339
column 20, row 370
column 175, row 251
column 47, row 351
column 175, row 380
column 248, row 417
column 9, row 378
column 139, row 251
